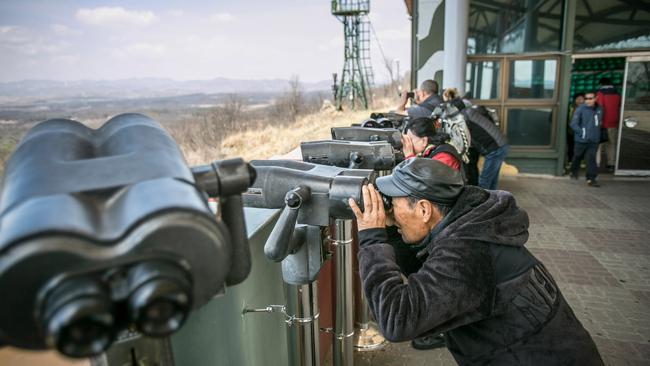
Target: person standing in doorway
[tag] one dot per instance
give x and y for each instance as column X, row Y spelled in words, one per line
column 586, row 124
column 610, row 101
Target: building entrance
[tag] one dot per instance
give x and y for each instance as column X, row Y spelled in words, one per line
column 588, row 75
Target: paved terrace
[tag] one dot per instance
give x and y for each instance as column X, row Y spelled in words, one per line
column 596, row 243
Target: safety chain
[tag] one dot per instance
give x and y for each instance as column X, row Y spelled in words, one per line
column 289, row 319
column 335, row 242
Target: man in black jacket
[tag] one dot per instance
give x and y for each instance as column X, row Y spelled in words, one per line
column 496, row 303
column 426, row 99
column 487, row 139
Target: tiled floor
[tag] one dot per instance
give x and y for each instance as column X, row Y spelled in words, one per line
column 596, row 243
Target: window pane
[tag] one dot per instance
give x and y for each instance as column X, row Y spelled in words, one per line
column 611, row 25
column 635, row 135
column 514, row 26
column 530, row 126
column 483, row 79
column 532, row 79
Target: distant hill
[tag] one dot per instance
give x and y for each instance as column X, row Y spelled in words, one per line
column 143, row 88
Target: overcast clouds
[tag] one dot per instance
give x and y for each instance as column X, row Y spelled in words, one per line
column 183, row 40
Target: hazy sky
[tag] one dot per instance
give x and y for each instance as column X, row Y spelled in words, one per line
column 182, row 40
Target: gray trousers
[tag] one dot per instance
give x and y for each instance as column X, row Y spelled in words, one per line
column 608, row 147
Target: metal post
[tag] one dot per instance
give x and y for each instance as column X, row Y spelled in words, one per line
column 366, row 335
column 304, row 335
column 343, row 323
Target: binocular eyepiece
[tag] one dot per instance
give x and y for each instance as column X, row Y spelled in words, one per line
column 81, row 316
column 410, row 94
column 159, row 298
column 387, row 201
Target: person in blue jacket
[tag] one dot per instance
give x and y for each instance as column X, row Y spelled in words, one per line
column 586, row 124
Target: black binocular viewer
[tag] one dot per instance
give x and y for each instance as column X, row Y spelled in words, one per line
column 103, row 230
column 361, row 134
column 379, row 155
column 308, row 194
column 321, row 192
column 384, row 120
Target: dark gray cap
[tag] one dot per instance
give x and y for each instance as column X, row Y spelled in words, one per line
column 423, row 178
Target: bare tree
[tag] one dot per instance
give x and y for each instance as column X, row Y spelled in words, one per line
column 232, row 108
column 292, row 102
column 295, row 96
column 388, row 63
column 391, row 89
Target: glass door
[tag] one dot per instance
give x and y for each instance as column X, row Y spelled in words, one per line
column 633, row 157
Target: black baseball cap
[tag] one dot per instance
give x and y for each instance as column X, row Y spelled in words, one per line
column 423, row 178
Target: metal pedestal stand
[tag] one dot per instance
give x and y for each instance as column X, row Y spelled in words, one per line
column 343, row 324
column 305, row 330
column 366, row 335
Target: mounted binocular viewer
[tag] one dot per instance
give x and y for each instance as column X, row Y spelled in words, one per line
column 379, row 155
column 320, row 192
column 384, row 120
column 108, row 229
column 309, row 195
column 363, row 134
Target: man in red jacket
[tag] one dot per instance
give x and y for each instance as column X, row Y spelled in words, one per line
column 610, row 101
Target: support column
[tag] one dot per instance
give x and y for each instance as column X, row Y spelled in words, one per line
column 564, row 84
column 414, row 45
column 455, row 44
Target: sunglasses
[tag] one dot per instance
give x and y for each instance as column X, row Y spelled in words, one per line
column 589, row 98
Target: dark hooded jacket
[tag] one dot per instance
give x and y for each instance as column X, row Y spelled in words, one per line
column 495, row 302
column 424, row 108
column 486, row 136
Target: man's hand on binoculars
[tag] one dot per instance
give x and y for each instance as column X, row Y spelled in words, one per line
column 404, row 97
column 373, row 215
column 402, row 101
